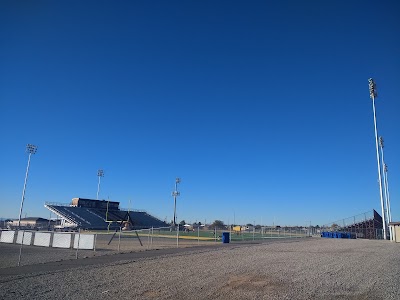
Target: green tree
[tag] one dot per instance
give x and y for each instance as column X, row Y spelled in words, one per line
column 334, row 226
column 218, row 224
column 182, row 222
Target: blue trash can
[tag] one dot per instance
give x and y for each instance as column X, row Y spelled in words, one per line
column 225, row 237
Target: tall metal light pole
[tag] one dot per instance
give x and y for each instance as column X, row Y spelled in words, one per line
column 100, row 173
column 175, row 194
column 384, row 180
column 31, row 149
column 386, row 185
column 373, row 94
column 385, row 169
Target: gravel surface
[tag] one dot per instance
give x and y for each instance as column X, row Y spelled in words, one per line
column 313, row 268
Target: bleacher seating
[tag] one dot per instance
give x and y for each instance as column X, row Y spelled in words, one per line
column 95, row 218
column 369, row 227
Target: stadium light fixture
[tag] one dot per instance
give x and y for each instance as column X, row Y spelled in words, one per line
column 175, row 194
column 100, row 173
column 373, row 94
column 30, row 149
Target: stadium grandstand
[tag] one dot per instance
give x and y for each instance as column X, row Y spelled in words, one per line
column 101, row 215
column 366, row 225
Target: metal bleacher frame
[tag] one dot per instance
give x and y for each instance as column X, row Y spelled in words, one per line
column 103, row 219
column 367, row 225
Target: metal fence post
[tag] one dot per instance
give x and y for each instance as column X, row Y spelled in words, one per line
column 20, row 248
column 198, row 234
column 148, row 239
column 152, row 233
column 119, row 239
column 177, row 236
column 95, row 241
column 77, row 247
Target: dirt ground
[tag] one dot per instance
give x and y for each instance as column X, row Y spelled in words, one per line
column 313, row 268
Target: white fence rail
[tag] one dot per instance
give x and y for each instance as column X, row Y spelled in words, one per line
column 84, row 241
column 48, row 239
column 42, row 239
column 7, row 236
column 62, row 240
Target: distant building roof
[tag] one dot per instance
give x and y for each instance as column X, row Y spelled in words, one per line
column 37, row 219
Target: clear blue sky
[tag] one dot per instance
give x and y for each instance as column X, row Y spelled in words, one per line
column 261, row 107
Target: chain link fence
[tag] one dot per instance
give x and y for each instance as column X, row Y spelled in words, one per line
column 24, row 247
column 367, row 225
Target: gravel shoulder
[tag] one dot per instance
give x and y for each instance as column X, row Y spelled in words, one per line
column 312, row 268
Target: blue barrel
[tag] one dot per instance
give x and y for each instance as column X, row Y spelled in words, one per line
column 225, row 237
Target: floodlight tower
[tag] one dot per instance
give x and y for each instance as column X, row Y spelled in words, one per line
column 385, row 169
column 30, row 149
column 175, row 194
column 100, row 173
column 385, row 183
column 384, row 179
column 373, row 94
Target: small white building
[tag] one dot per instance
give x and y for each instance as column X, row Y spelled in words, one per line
column 394, row 228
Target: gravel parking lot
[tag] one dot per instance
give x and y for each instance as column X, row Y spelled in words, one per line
column 313, row 268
